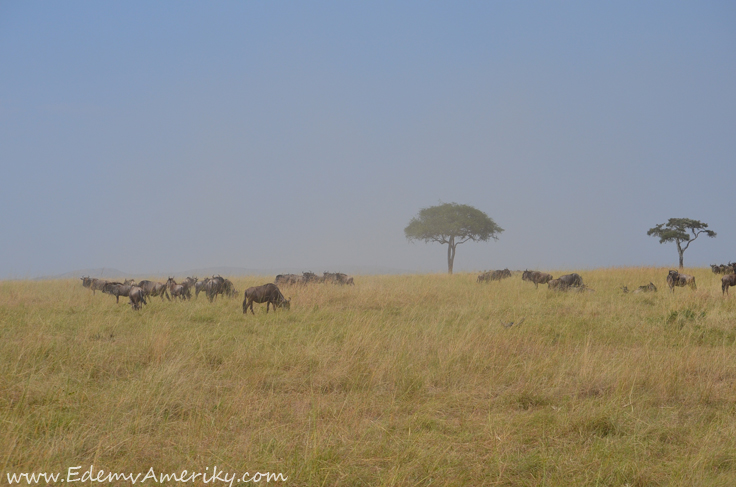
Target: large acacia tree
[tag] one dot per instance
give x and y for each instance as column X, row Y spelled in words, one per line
column 451, row 224
column 680, row 230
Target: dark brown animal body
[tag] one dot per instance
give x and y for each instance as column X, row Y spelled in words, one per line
column 675, row 278
column 727, row 281
column 137, row 297
column 218, row 285
column 337, row 278
column 288, row 279
column 178, row 290
column 133, row 292
column 536, row 277
column 494, row 275
column 93, row 284
column 572, row 280
column 151, row 288
column 268, row 293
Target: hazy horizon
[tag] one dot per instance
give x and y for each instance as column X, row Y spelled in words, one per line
column 153, row 136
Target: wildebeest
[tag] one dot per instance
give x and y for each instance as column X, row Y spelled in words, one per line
column 93, row 284
column 727, row 281
column 311, row 277
column 337, row 278
column 284, row 279
column 536, row 277
column 118, row 289
column 556, row 284
column 560, row 285
column 217, row 285
column 151, row 288
column 675, row 278
column 494, row 275
column 571, row 280
column 178, row 290
column 199, row 286
column 267, row 293
column 137, row 297
column 649, row 288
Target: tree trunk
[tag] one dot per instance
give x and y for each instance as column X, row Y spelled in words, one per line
column 680, row 252
column 450, row 254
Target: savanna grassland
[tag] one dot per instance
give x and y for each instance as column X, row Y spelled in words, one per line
column 399, row 380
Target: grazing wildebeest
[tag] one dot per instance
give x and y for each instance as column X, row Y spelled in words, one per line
column 536, row 277
column 715, row 268
column 178, row 290
column 572, row 280
column 151, row 288
column 137, row 297
column 674, row 278
column 649, row 288
column 268, row 293
column 727, row 281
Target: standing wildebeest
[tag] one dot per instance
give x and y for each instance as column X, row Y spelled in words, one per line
column 289, row 279
column 151, row 288
column 117, row 289
column 93, row 284
column 727, row 281
column 536, row 277
column 137, row 297
column 268, row 293
column 216, row 285
column 675, row 278
column 178, row 290
column 199, row 286
column 494, row 275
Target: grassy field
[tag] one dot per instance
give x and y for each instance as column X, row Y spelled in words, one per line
column 399, row 380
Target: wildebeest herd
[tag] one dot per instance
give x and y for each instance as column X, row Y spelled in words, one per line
column 311, row 277
column 573, row 282
column 212, row 287
column 138, row 293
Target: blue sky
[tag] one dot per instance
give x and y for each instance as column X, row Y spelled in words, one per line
column 162, row 136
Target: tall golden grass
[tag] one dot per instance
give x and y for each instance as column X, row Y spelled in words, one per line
column 399, row 380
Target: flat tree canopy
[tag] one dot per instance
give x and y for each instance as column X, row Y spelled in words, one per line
column 451, row 224
column 680, row 230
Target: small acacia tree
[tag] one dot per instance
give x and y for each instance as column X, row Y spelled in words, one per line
column 451, row 224
column 679, row 230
